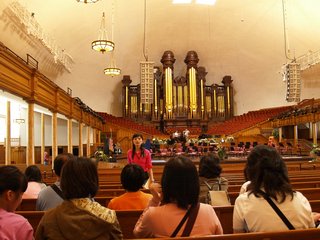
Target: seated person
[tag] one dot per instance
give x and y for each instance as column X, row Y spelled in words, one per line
column 209, row 177
column 51, row 196
column 35, row 184
column 79, row 217
column 179, row 196
column 13, row 183
column 132, row 179
column 268, row 176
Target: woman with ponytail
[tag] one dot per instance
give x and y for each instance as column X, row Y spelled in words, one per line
column 268, row 179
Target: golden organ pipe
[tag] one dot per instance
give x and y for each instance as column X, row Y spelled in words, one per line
column 228, row 98
column 215, row 100
column 155, row 96
column 201, row 84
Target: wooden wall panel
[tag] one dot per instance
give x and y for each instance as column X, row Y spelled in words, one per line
column 14, row 75
column 76, row 113
column 45, row 92
column 64, row 102
column 21, row 80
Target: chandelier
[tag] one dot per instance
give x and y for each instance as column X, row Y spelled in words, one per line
column 112, row 69
column 87, row 1
column 102, row 44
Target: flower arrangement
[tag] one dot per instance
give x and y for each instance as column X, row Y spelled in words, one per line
column 101, row 156
column 315, row 150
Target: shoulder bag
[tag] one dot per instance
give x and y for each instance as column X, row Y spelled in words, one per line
column 218, row 198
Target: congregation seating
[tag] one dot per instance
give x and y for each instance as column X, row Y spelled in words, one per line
column 308, row 234
column 305, row 181
column 128, row 219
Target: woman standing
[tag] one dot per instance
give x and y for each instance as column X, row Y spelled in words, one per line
column 141, row 156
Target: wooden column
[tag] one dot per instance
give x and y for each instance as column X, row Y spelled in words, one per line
column 70, row 150
column 314, row 133
column 295, row 135
column 43, row 134
column 80, row 140
column 8, row 135
column 88, row 141
column 30, row 144
column 54, row 135
column 94, row 138
column 98, row 137
column 280, row 134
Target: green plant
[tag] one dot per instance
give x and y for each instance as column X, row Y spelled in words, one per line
column 275, row 133
column 315, row 150
column 222, row 153
column 101, row 156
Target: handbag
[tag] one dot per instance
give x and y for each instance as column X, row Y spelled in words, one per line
column 191, row 215
column 277, row 210
column 218, row 198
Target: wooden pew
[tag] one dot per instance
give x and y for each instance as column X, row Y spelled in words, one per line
column 30, row 204
column 306, row 234
column 309, row 193
column 295, row 185
column 127, row 219
column 33, row 217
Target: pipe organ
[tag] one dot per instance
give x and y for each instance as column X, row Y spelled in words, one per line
column 181, row 101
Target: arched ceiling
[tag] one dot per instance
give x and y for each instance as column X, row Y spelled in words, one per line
column 241, row 38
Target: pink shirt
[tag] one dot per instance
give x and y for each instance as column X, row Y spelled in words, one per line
column 161, row 221
column 14, row 227
column 144, row 162
column 33, row 190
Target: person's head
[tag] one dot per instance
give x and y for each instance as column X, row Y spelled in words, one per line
column 33, row 174
column 266, row 169
column 137, row 144
column 209, row 166
column 13, row 183
column 137, row 140
column 180, row 182
column 132, row 177
column 59, row 161
column 79, row 178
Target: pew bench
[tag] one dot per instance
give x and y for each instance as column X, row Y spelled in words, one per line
column 306, row 234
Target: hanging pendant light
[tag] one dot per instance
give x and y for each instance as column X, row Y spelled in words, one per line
column 112, row 69
column 87, row 1
column 102, row 44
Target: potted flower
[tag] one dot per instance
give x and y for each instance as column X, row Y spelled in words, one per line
column 315, row 152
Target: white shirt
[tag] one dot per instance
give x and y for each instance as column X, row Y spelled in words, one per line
column 254, row 214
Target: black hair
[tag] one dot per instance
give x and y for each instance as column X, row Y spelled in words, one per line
column 79, row 178
column 59, row 161
column 11, row 178
column 209, row 166
column 266, row 169
column 134, row 147
column 180, row 182
column 33, row 174
column 132, row 177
